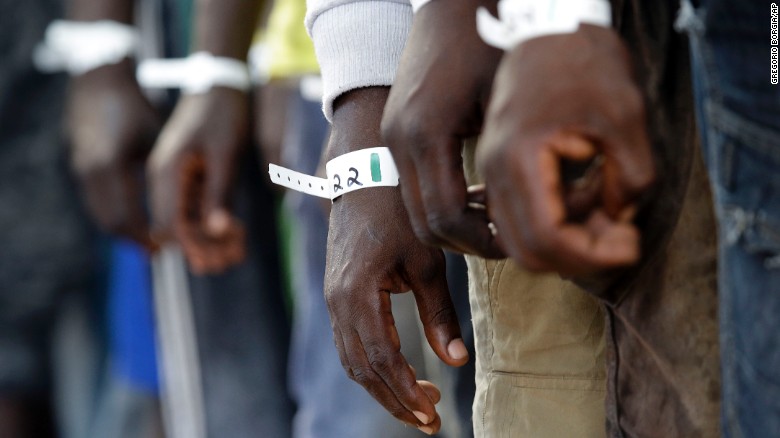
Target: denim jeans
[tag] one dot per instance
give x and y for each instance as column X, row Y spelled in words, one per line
column 242, row 327
column 739, row 115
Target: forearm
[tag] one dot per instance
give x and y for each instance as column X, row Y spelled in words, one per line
column 225, row 27
column 356, row 120
column 91, row 10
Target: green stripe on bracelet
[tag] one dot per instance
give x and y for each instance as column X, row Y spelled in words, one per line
column 376, row 171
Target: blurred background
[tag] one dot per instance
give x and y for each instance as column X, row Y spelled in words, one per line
column 108, row 332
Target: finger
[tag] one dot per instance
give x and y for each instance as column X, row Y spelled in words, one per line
column 137, row 224
column 386, row 377
column 584, row 194
column 114, row 196
column 614, row 242
column 438, row 316
column 529, row 209
column 190, row 239
column 165, row 183
column 236, row 250
column 526, row 203
column 512, row 239
column 445, row 198
column 432, row 427
column 546, row 214
column 218, row 184
column 98, row 187
column 416, row 210
column 210, row 255
column 177, row 190
column 338, row 340
column 582, row 252
column 570, row 249
column 354, row 361
column 629, row 168
column 580, row 174
column 376, row 319
column 410, row 192
column 380, row 348
column 431, row 390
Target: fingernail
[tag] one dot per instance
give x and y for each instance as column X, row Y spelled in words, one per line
column 218, row 222
column 476, row 188
column 426, row 430
column 422, row 417
column 457, row 349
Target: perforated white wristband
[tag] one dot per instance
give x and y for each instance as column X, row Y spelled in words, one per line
column 372, row 167
column 77, row 47
column 195, row 74
column 521, row 20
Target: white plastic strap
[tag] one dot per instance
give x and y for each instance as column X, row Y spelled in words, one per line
column 418, row 4
column 372, row 167
column 311, row 185
column 80, row 46
column 195, row 74
column 521, row 20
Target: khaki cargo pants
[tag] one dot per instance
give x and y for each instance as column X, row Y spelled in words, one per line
column 540, row 369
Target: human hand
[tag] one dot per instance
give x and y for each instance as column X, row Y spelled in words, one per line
column 112, row 128
column 270, row 103
column 566, row 97
column 191, row 171
column 373, row 253
column 438, row 100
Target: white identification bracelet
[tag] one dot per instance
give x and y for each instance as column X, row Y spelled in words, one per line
column 195, row 74
column 418, row 4
column 521, row 20
column 372, row 167
column 80, row 46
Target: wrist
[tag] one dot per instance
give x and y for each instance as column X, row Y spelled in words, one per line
column 444, row 7
column 380, row 209
column 589, row 42
column 220, row 98
column 117, row 74
column 196, row 74
column 78, row 47
column 355, row 158
column 357, row 118
column 521, row 20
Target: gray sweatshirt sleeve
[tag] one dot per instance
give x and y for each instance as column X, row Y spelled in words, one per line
column 358, row 43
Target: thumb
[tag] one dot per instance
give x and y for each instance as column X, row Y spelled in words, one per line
column 440, row 321
column 629, row 170
column 217, row 189
column 165, row 190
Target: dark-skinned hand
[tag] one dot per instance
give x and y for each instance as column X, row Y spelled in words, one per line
column 438, row 100
column 191, row 172
column 112, row 127
column 270, row 104
column 373, row 253
column 567, row 98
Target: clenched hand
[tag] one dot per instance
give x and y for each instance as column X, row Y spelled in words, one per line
column 112, row 128
column 566, row 98
column 191, row 172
